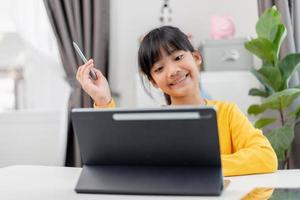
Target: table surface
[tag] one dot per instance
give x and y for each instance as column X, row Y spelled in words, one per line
column 46, row 182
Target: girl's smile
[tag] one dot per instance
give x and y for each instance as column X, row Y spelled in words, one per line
column 180, row 81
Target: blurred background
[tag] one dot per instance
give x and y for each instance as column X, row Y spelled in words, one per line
column 38, row 64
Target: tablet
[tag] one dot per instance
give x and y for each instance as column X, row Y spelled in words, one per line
column 167, row 150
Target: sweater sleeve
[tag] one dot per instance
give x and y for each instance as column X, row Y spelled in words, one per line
column 252, row 152
column 111, row 104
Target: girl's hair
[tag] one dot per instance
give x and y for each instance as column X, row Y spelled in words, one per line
column 165, row 38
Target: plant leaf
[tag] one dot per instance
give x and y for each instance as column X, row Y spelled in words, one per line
column 255, row 109
column 280, row 33
column 264, row 122
column 281, row 99
column 297, row 112
column 269, row 19
column 279, row 153
column 272, row 75
column 281, row 139
column 262, row 48
column 258, row 92
column 265, row 82
column 288, row 66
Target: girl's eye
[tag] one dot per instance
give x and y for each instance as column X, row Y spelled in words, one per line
column 159, row 69
column 179, row 57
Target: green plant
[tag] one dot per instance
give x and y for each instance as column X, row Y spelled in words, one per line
column 275, row 75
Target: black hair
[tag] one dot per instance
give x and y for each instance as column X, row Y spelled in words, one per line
column 169, row 39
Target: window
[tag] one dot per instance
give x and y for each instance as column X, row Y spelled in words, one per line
column 9, row 83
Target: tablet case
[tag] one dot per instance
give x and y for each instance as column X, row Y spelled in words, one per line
column 169, row 151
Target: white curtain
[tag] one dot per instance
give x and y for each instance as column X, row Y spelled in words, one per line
column 45, row 87
column 297, row 24
column 31, row 22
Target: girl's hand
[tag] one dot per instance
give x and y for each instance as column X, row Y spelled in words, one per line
column 98, row 89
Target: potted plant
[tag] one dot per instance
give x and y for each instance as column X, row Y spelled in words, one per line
column 274, row 75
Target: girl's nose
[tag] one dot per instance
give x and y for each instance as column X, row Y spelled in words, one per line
column 174, row 71
column 172, row 68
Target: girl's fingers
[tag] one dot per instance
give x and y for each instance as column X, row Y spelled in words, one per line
column 98, row 72
column 86, row 71
column 81, row 69
column 90, row 61
column 77, row 73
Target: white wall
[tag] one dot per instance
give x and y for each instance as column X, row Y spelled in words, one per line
column 130, row 19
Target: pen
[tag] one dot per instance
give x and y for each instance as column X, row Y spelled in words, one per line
column 79, row 52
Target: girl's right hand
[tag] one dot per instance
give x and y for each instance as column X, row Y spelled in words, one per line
column 98, row 89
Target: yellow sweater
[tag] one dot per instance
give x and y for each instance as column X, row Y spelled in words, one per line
column 244, row 149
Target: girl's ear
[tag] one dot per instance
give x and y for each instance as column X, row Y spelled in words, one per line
column 197, row 57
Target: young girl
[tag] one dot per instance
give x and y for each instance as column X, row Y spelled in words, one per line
column 169, row 61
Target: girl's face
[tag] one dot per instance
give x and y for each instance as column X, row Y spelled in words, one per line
column 177, row 74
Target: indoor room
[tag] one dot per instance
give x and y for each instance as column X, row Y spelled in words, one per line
column 112, row 99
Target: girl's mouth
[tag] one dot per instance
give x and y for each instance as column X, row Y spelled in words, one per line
column 179, row 80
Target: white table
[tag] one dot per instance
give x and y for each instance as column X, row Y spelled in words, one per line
column 43, row 182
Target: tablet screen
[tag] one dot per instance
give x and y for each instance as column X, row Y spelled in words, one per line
column 273, row 194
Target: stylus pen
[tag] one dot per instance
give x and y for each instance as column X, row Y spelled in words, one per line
column 79, row 52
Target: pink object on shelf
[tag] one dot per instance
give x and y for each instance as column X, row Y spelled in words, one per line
column 222, row 27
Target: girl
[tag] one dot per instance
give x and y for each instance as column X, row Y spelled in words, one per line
column 169, row 61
